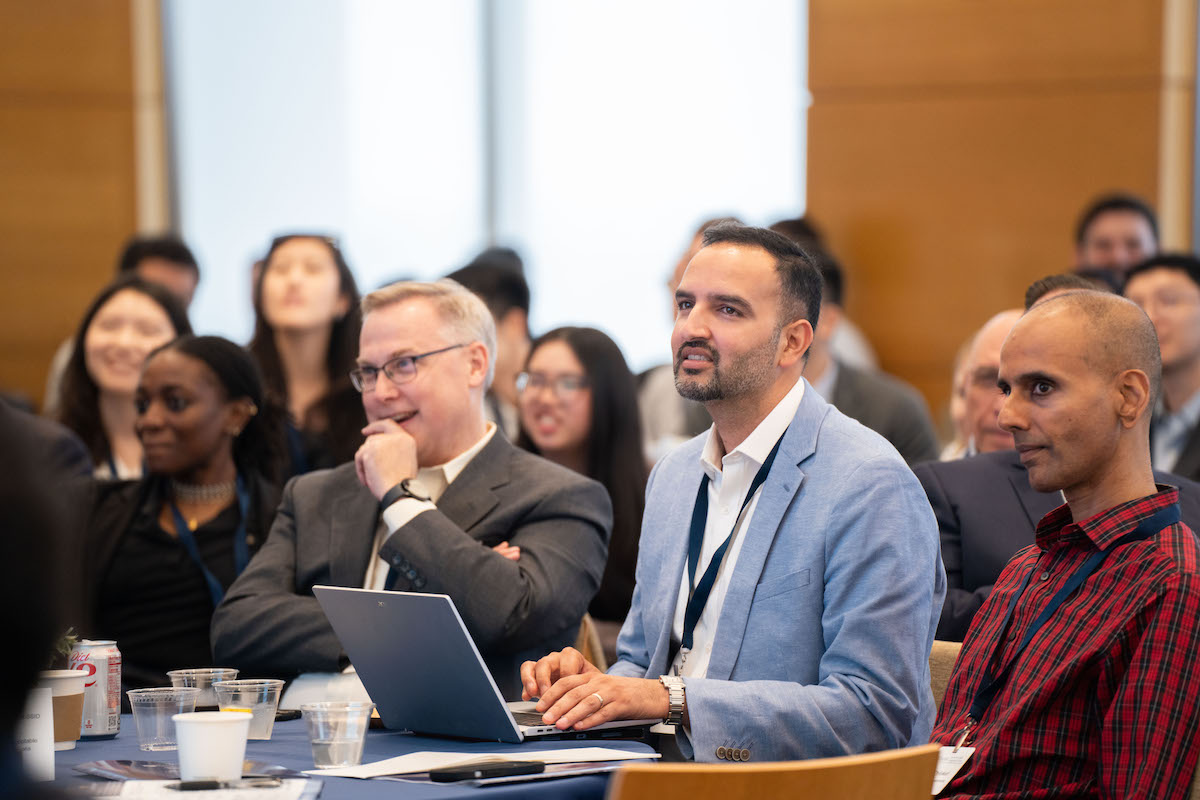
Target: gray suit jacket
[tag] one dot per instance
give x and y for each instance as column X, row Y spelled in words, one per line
column 888, row 406
column 270, row 623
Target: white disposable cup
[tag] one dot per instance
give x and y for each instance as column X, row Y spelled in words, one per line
column 202, row 678
column 257, row 697
column 212, row 744
column 337, row 730
column 66, row 691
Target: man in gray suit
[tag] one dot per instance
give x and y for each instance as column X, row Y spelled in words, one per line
column 788, row 579
column 885, row 404
column 433, row 489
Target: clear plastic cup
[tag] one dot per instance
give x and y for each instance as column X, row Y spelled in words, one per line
column 202, row 678
column 337, row 731
column 258, row 697
column 212, row 745
column 152, row 712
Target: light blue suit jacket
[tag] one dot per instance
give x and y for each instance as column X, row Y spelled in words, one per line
column 822, row 645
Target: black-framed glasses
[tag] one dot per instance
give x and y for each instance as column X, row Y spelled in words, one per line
column 561, row 385
column 400, row 369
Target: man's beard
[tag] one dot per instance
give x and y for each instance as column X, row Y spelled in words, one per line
column 743, row 377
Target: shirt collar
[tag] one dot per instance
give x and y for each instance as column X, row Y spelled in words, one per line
column 434, row 480
column 1106, row 527
column 757, row 446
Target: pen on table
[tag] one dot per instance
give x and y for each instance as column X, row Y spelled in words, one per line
column 250, row 783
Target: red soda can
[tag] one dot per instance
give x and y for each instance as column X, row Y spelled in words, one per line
column 101, row 660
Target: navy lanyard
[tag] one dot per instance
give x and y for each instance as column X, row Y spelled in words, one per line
column 698, row 596
column 991, row 684
column 241, row 550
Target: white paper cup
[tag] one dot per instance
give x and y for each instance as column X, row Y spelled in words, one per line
column 212, row 745
column 66, row 690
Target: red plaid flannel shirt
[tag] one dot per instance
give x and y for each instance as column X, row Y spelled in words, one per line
column 1105, row 699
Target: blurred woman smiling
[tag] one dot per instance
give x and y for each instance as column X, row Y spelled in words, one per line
column 578, row 406
column 129, row 318
column 161, row 551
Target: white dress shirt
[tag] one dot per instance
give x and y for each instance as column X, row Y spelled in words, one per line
column 729, row 477
column 431, row 482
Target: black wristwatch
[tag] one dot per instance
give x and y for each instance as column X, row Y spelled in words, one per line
column 398, row 492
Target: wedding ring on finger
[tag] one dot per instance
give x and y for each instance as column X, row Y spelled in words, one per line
column 598, row 697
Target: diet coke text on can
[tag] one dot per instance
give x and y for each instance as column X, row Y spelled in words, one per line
column 101, row 660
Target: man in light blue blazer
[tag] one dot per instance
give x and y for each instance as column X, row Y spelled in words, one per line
column 789, row 580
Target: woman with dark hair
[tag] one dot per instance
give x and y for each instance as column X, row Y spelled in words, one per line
column 129, row 318
column 306, row 342
column 161, row 552
column 578, row 404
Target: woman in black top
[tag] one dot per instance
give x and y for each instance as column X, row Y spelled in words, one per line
column 578, row 405
column 161, row 551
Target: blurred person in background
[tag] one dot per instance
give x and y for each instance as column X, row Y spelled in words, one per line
column 981, row 394
column 669, row 420
column 1115, row 232
column 885, row 404
column 161, row 551
column 578, row 404
column 129, row 318
column 956, row 409
column 1167, row 288
column 497, row 276
column 305, row 341
column 163, row 259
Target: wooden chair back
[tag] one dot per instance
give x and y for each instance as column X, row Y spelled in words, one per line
column 588, row 643
column 904, row 774
column 941, row 664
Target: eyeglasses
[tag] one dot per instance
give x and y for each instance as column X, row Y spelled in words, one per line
column 561, row 385
column 401, row 369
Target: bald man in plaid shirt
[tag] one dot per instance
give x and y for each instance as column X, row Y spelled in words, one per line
column 1078, row 676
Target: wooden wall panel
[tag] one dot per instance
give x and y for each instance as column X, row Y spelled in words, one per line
column 67, row 165
column 952, row 144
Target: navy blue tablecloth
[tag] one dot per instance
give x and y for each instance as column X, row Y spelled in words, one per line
column 289, row 747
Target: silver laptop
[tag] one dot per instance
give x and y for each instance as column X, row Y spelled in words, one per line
column 419, row 664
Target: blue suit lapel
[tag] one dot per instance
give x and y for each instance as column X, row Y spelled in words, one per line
column 674, row 562
column 782, row 485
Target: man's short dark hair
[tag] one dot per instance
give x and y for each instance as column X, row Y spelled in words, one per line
column 798, row 275
column 1063, row 280
column 502, row 288
column 1184, row 262
column 1118, row 201
column 168, row 247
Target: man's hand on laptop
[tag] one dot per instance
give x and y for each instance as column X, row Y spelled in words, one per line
column 573, row 693
column 388, row 456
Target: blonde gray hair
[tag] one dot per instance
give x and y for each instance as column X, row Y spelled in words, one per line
column 464, row 316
